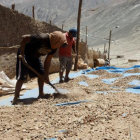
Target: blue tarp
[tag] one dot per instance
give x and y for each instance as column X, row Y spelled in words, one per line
column 109, row 81
column 83, row 83
column 47, row 89
column 71, row 103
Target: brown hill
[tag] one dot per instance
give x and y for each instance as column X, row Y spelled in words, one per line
column 14, row 25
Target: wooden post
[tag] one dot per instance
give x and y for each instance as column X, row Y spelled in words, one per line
column 78, row 34
column 86, row 35
column 104, row 47
column 109, row 45
column 62, row 26
column 33, row 12
column 50, row 22
column 13, row 6
column 86, row 52
column 86, row 40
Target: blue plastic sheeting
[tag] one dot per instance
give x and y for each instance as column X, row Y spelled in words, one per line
column 62, row 131
column 87, row 71
column 111, row 69
column 47, row 89
column 135, row 90
column 135, row 82
column 55, row 81
column 50, row 138
column 91, row 76
column 71, row 75
column 106, row 68
column 101, row 92
column 7, row 101
column 117, row 70
column 71, row 103
column 116, row 87
column 34, row 92
column 82, row 83
column 130, row 74
column 136, row 66
column 106, row 92
column 31, row 94
column 138, row 87
column 109, row 81
column 124, row 114
column 75, row 74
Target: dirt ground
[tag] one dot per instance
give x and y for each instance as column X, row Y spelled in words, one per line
column 103, row 112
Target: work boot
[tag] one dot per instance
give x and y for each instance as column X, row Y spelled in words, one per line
column 14, row 102
column 61, row 81
column 67, row 79
column 44, row 96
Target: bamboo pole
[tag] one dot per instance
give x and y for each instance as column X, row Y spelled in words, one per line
column 78, row 34
column 110, row 34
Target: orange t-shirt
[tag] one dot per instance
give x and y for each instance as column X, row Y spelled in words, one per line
column 67, row 51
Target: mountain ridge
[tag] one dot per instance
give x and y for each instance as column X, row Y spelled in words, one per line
column 121, row 16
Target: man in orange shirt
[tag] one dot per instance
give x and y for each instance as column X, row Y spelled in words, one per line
column 65, row 55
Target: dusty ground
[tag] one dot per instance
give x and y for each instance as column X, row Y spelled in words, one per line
column 111, row 116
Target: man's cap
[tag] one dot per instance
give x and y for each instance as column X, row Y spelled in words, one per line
column 73, row 31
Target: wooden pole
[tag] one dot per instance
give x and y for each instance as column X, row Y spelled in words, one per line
column 86, row 35
column 78, row 34
column 50, row 22
column 104, row 47
column 86, row 52
column 62, row 26
column 33, row 12
column 110, row 33
column 13, row 6
column 86, row 41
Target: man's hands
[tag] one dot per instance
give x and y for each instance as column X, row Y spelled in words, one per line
column 46, row 79
column 64, row 45
column 20, row 56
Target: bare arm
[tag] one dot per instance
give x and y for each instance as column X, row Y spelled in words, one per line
column 26, row 39
column 47, row 64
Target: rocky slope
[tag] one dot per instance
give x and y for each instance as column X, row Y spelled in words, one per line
column 14, row 25
column 121, row 16
column 100, row 16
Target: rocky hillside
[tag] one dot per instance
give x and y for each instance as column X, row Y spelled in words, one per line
column 122, row 16
column 100, row 16
column 14, row 25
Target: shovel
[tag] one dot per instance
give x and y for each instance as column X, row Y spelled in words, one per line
column 33, row 70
